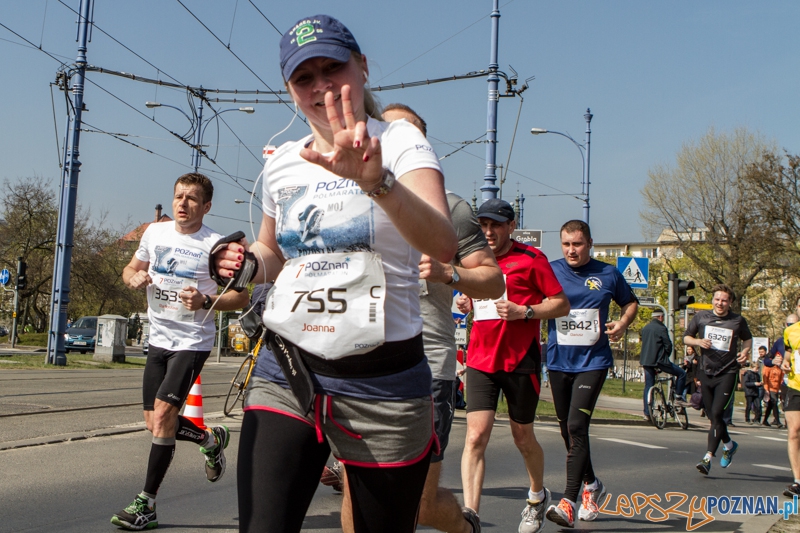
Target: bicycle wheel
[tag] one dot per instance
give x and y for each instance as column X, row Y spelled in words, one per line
column 658, row 408
column 682, row 417
column 236, row 392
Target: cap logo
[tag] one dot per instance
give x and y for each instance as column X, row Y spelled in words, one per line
column 304, row 33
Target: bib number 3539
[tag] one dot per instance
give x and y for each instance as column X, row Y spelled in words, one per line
column 329, row 304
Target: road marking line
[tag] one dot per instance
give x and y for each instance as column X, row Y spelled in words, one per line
column 770, row 438
column 632, row 443
column 773, row 467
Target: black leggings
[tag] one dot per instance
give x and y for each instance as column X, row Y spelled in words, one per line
column 752, row 403
column 717, row 394
column 279, row 467
column 574, row 397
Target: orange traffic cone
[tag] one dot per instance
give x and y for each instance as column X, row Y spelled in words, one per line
column 194, row 404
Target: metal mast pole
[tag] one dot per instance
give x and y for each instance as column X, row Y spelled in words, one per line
column 489, row 189
column 588, row 116
column 59, row 299
column 198, row 131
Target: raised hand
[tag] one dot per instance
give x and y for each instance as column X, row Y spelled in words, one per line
column 355, row 156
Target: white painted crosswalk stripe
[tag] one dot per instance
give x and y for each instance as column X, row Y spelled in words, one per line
column 775, row 467
column 770, row 438
column 633, row 443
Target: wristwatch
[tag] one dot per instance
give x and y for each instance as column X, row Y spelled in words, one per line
column 455, row 278
column 207, row 304
column 385, row 186
column 528, row 312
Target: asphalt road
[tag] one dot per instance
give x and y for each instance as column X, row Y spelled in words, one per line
column 95, row 460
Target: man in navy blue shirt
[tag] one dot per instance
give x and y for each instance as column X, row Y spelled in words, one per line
column 578, row 359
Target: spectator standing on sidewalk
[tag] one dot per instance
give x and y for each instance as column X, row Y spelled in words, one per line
column 752, row 386
column 773, row 378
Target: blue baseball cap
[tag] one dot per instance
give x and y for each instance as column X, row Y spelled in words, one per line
column 317, row 36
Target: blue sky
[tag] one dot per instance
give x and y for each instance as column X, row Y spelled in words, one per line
column 654, row 74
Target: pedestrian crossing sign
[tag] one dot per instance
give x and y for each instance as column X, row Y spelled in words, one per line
column 635, row 270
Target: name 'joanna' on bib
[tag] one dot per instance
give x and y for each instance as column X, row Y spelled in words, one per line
column 330, row 305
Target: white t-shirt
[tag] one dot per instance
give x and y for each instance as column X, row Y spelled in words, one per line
column 316, row 211
column 177, row 260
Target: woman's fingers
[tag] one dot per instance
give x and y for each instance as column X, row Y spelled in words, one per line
column 347, row 109
column 333, row 114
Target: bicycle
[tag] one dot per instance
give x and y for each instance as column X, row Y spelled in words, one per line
column 242, row 379
column 660, row 406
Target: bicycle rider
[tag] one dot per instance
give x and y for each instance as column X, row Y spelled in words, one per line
column 656, row 351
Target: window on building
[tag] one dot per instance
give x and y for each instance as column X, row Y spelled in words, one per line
column 745, row 302
column 762, row 303
column 614, row 252
column 650, row 252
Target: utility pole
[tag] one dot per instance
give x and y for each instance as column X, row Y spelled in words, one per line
column 16, row 305
column 588, row 143
column 198, row 132
column 59, row 299
column 489, row 189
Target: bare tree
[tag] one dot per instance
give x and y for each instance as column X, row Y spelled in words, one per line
column 705, row 204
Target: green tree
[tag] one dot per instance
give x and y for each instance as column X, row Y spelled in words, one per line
column 30, row 216
column 705, row 204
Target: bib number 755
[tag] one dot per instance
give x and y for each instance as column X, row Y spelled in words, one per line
column 316, row 301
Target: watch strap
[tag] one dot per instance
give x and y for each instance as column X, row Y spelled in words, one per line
column 385, row 186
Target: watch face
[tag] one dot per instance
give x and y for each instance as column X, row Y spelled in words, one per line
column 529, row 312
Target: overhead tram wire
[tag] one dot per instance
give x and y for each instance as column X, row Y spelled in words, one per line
column 265, row 18
column 253, row 72
column 199, row 149
column 467, row 143
column 122, row 45
column 51, row 56
column 438, row 45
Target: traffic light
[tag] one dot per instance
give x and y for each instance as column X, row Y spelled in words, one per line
column 683, row 299
column 22, row 278
column 678, row 299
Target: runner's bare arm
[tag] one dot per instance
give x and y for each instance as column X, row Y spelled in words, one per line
column 616, row 328
column 551, row 307
column 745, row 353
column 693, row 341
column 230, row 301
column 135, row 276
column 479, row 275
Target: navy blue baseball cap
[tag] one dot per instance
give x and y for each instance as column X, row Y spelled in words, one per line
column 496, row 209
column 317, row 36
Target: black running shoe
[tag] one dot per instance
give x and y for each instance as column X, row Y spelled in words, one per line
column 792, row 490
column 704, row 466
column 472, row 518
column 137, row 516
column 215, row 457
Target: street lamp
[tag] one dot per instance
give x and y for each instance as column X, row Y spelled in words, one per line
column 198, row 125
column 586, row 146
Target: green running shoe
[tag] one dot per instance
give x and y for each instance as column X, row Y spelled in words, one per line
column 215, row 457
column 137, row 516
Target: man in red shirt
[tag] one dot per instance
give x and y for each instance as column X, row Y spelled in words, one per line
column 504, row 354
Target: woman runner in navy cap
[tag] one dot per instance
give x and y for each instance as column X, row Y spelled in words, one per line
column 348, row 209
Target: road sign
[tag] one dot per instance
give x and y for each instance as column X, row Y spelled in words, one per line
column 646, row 300
column 5, row 276
column 635, row 270
column 531, row 237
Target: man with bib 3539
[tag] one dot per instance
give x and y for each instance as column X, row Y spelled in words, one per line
column 171, row 264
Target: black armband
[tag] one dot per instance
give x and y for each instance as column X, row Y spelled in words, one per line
column 242, row 276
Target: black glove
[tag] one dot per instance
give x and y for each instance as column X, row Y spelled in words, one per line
column 242, row 276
